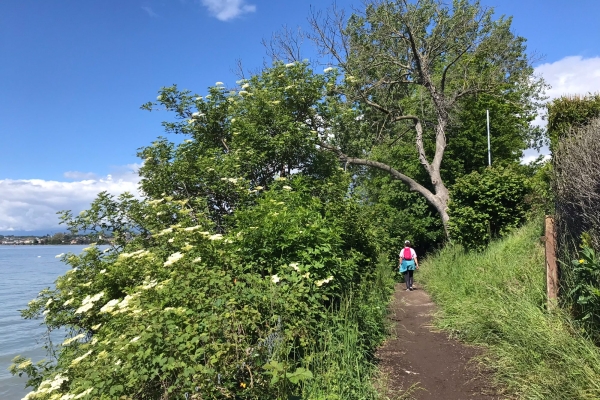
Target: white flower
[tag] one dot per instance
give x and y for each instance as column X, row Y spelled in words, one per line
column 281, row 178
column 49, row 302
column 108, row 307
column 84, row 308
column 245, row 86
column 295, row 266
column 198, row 98
column 197, row 115
column 290, row 65
column 326, row 70
column 171, row 240
column 275, row 278
column 219, row 84
column 321, row 282
column 103, row 271
column 135, row 339
column 46, row 312
column 59, row 255
column 258, row 188
column 96, row 327
column 217, row 236
column 74, row 338
column 192, row 228
column 66, row 303
column 190, row 121
column 287, row 187
column 159, row 97
column 172, row 259
column 149, row 285
column 78, row 359
column 67, row 397
column 243, row 93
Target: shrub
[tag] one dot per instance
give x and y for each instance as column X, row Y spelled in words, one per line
column 186, row 310
column 487, row 205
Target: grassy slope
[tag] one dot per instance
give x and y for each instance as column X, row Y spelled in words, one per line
column 497, row 299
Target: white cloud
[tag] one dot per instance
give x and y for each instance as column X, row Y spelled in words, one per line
column 225, row 10
column 31, row 204
column 571, row 75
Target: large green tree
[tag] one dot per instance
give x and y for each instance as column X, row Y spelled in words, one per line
column 413, row 69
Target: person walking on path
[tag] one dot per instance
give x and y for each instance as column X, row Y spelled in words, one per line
column 408, row 263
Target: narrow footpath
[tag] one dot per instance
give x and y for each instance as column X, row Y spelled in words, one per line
column 438, row 368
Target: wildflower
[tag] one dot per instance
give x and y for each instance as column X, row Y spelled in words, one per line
column 171, row 240
column 326, row 70
column 150, row 285
column 219, row 84
column 84, row 308
column 74, row 338
column 118, row 362
column 78, row 359
column 103, row 271
column 108, row 307
column 66, row 303
column 49, row 302
column 581, row 261
column 287, row 188
column 217, row 236
column 46, row 312
column 198, row 98
column 243, row 93
column 245, row 86
column 24, row 364
column 295, row 266
column 159, row 97
column 173, row 258
column 191, row 228
column 243, row 385
column 197, row 260
column 190, row 121
column 321, row 282
column 290, row 65
column 275, row 278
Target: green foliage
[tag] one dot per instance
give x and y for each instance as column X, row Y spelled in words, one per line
column 570, row 112
column 220, row 282
column 585, row 291
column 496, row 299
column 487, row 206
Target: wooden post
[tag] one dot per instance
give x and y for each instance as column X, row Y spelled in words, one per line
column 551, row 267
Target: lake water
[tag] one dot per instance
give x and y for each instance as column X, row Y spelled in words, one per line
column 24, row 272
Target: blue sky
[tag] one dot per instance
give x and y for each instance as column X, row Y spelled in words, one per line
column 74, row 74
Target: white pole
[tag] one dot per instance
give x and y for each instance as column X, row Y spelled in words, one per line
column 488, row 133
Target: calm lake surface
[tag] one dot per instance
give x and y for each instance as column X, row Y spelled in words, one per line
column 24, row 272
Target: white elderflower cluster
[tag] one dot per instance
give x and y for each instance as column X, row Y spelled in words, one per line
column 48, row 386
column 275, row 278
column 88, row 302
column 78, row 359
column 74, row 338
column 323, row 281
column 172, row 259
column 216, row 236
column 326, row 70
column 295, row 267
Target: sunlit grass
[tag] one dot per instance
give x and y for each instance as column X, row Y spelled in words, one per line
column 497, row 299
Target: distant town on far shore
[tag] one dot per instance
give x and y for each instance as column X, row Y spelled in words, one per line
column 57, row 238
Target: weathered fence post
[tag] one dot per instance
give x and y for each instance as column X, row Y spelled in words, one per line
column 551, row 267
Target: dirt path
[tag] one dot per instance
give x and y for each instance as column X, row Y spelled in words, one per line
column 415, row 355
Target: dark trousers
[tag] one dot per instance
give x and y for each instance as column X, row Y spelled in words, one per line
column 408, row 278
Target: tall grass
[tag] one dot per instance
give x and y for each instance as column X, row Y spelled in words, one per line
column 342, row 363
column 497, row 299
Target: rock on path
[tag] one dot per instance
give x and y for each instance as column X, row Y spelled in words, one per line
column 436, row 366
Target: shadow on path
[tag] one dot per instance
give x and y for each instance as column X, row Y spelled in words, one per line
column 437, row 366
